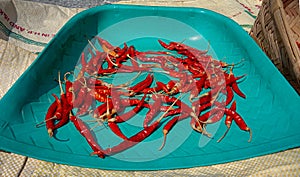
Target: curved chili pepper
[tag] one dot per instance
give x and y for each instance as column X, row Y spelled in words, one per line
column 66, row 109
column 166, row 46
column 88, row 101
column 131, row 55
column 83, row 66
column 49, row 118
column 128, row 69
column 153, row 111
column 100, row 111
column 162, row 86
column 96, row 60
column 239, row 121
column 229, row 97
column 107, row 71
column 188, row 85
column 69, row 92
column 231, row 81
column 170, row 124
column 122, row 51
column 126, row 116
column 173, row 112
column 106, row 46
column 59, row 107
column 122, row 55
column 237, row 90
column 115, row 128
column 166, row 130
column 196, row 90
column 103, row 90
column 162, row 108
column 98, row 96
column 77, row 84
column 161, row 60
column 80, row 96
column 228, row 121
column 215, row 118
column 133, row 140
column 142, row 85
column 85, row 132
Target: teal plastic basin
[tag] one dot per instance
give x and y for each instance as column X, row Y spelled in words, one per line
column 271, row 108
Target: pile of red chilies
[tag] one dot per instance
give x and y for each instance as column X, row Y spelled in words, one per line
column 192, row 71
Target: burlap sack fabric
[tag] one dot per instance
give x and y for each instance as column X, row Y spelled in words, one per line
column 18, row 51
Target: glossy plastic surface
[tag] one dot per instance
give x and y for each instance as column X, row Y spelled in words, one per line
column 271, row 108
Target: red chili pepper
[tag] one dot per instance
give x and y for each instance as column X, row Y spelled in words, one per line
column 153, row 111
column 239, row 121
column 216, row 117
column 162, row 108
column 163, row 86
column 229, row 97
column 129, row 102
column 194, row 51
column 196, row 90
column 88, row 101
column 126, row 116
column 231, row 81
column 186, row 53
column 142, row 85
column 115, row 128
column 106, row 46
column 237, row 90
column 66, row 109
column 131, row 55
column 167, row 128
column 49, row 118
column 107, row 71
column 209, row 116
column 69, row 91
column 129, row 69
column 161, row 60
column 173, row 112
column 166, row 46
column 228, row 120
column 98, row 96
column 133, row 140
column 170, row 84
column 77, row 84
column 102, row 89
column 79, row 98
column 59, row 107
column 85, row 132
column 101, row 111
column 122, row 55
column 96, row 60
column 122, row 51
column 153, row 89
